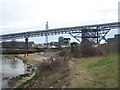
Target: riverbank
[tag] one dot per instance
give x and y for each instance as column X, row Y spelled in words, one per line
column 66, row 72
column 35, row 60
column 51, row 73
column 11, row 67
column 31, row 64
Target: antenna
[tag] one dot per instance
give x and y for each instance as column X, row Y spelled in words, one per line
column 46, row 37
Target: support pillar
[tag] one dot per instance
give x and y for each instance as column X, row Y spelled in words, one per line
column 83, row 36
column 26, row 47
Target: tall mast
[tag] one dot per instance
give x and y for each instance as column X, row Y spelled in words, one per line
column 46, row 37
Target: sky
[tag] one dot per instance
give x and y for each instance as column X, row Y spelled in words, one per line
column 30, row 15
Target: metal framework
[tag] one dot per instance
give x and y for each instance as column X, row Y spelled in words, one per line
column 88, row 33
column 46, row 37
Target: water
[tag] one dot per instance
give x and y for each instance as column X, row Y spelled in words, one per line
column 11, row 67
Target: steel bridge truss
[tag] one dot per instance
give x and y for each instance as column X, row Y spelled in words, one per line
column 89, row 33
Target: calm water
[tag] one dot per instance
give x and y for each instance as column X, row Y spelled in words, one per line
column 11, row 67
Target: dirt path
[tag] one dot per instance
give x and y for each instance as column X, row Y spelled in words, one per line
column 35, row 59
column 79, row 76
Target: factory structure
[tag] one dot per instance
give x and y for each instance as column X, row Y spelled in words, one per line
column 114, row 43
column 62, row 42
column 116, row 39
column 17, row 45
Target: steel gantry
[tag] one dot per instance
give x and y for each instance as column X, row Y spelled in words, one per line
column 88, row 33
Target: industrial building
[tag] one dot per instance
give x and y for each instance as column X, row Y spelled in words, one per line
column 114, row 43
column 116, row 39
column 17, row 45
column 62, row 42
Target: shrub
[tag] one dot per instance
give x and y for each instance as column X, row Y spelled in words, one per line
column 63, row 52
column 88, row 50
column 76, row 51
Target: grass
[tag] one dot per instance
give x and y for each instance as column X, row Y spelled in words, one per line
column 102, row 62
column 96, row 72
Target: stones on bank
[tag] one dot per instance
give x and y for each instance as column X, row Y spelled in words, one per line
column 18, row 80
column 30, row 70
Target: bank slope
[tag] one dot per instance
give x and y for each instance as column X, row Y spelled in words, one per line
column 95, row 72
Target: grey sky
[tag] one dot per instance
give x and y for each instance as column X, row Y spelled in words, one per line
column 28, row 15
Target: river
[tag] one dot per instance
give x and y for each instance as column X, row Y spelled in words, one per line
column 11, row 67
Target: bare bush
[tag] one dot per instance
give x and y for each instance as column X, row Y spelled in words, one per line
column 63, row 53
column 49, row 65
column 88, row 50
column 76, row 51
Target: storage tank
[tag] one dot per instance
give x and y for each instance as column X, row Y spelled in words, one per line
column 61, row 39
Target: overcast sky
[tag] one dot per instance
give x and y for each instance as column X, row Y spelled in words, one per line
column 29, row 15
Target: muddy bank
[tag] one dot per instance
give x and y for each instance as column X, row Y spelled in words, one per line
column 34, row 59
column 51, row 73
column 14, row 71
column 31, row 64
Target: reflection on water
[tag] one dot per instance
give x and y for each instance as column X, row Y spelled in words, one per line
column 11, row 67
